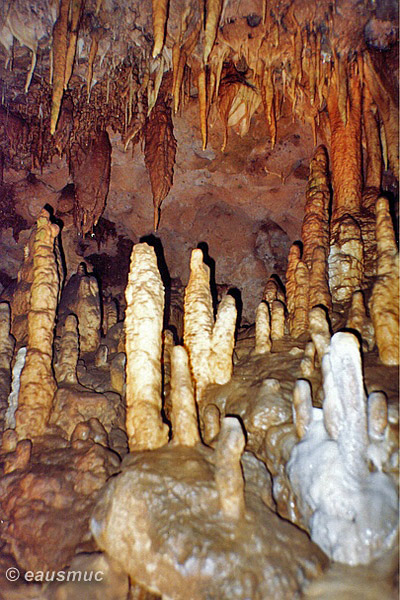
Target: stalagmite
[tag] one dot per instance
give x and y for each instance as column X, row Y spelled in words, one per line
column 351, row 511
column 299, row 322
column 198, row 322
column 101, row 356
column 346, row 260
column 263, row 329
column 88, row 311
column 228, row 471
column 168, row 344
column 384, row 303
column 307, row 364
column 270, row 292
column 319, row 329
column 117, row 373
column 7, row 343
column 110, row 314
column 357, row 319
column 21, row 298
column 302, row 406
column 315, row 228
column 15, row 385
column 185, row 431
column 67, row 358
column 212, row 423
column 37, row 385
column 319, row 287
column 223, row 341
column 143, row 328
column 377, row 415
column 293, row 260
column 277, row 320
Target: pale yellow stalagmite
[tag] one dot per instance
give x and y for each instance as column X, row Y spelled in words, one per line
column 67, row 357
column 143, row 329
column 346, row 260
column 319, row 330
column 293, row 259
column 307, row 364
column 212, row 423
column 223, row 341
column 299, row 321
column 384, row 303
column 377, row 415
column 263, row 329
column 302, row 406
column 228, row 470
column 37, row 383
column 319, row 286
column 357, row 319
column 198, row 322
column 270, row 292
column 315, row 228
column 277, row 320
column 185, row 431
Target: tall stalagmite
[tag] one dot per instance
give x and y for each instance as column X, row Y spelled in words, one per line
column 143, row 330
column 384, row 304
column 7, row 343
column 223, row 341
column 299, row 322
column 198, row 322
column 293, row 260
column 38, row 386
column 184, row 414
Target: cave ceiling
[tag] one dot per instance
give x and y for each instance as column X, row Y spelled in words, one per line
column 196, row 118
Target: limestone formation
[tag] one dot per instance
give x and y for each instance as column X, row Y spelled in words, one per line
column 357, row 319
column 143, row 330
column 319, row 329
column 7, row 343
column 315, row 228
column 302, row 407
column 101, row 356
column 15, row 385
column 270, row 292
column 377, row 415
column 184, row 421
column 293, row 260
column 223, row 341
column 37, row 383
column 384, row 303
column 319, row 287
column 68, row 354
column 168, row 344
column 346, row 259
column 299, row 321
column 263, row 329
column 110, row 314
column 21, row 297
column 277, row 320
column 88, row 311
column 351, row 511
column 198, row 322
column 228, row 471
column 307, row 364
column 212, row 423
column 117, row 373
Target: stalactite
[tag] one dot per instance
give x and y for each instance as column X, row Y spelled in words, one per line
column 201, row 84
column 198, row 321
column 59, row 48
column 223, row 341
column 228, row 472
column 37, row 386
column 160, row 11
column 299, row 322
column 213, row 13
column 7, row 344
column 143, row 328
column 76, row 11
column 263, row 329
column 373, row 153
column 185, row 431
column 384, row 303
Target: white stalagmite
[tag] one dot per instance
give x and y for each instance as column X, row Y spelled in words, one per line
column 185, row 431
column 277, row 320
column 223, row 341
column 302, row 406
column 198, row 322
column 263, row 329
column 13, row 397
column 351, row 511
column 228, row 470
column 7, row 344
column 143, row 329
